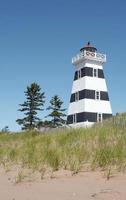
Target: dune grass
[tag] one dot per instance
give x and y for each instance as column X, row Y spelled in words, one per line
column 102, row 146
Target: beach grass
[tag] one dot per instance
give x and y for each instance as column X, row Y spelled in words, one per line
column 101, row 146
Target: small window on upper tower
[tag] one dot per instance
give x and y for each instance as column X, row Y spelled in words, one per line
column 95, row 72
column 76, row 96
column 79, row 74
column 97, row 95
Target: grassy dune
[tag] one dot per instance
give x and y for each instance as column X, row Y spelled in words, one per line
column 102, row 146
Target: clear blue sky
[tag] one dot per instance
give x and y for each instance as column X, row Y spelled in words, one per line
column 38, row 38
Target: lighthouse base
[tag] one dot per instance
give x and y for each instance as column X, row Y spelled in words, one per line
column 82, row 125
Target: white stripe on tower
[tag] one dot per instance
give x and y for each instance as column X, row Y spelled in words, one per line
column 89, row 102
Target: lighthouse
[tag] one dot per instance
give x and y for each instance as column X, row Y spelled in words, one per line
column 89, row 101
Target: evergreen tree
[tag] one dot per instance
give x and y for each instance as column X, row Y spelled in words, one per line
column 34, row 103
column 57, row 113
column 45, row 124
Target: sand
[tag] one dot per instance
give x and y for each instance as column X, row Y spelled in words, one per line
column 83, row 186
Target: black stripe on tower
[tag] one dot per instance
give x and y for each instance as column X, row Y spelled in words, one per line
column 89, row 94
column 86, row 116
column 104, row 96
column 86, row 94
column 100, row 73
column 87, row 71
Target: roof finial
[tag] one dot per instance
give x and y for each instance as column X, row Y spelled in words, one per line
column 88, row 43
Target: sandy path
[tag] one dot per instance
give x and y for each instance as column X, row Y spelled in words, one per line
column 85, row 186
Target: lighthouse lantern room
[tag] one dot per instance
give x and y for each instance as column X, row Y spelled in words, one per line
column 89, row 102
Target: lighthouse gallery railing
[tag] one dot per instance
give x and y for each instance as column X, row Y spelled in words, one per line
column 90, row 56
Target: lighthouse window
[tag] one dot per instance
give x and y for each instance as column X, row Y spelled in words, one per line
column 95, row 72
column 74, row 118
column 77, row 96
column 79, row 74
column 75, row 76
column 99, row 117
column 100, row 73
column 97, row 95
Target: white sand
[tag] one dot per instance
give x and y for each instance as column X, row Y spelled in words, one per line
column 84, row 186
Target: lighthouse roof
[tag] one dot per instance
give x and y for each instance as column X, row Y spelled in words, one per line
column 88, row 47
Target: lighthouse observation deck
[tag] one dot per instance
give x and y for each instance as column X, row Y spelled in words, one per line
column 88, row 55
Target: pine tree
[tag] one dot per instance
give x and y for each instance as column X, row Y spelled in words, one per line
column 57, row 113
column 44, row 124
column 34, row 103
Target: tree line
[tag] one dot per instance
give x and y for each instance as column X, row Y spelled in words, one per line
column 35, row 100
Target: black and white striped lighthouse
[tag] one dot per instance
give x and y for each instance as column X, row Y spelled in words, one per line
column 89, row 102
